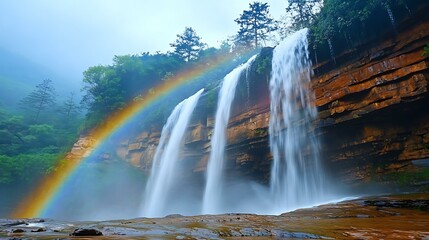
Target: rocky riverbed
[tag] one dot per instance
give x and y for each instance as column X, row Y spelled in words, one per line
column 381, row 217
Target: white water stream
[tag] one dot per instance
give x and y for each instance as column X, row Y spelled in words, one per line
column 214, row 180
column 296, row 177
column 162, row 175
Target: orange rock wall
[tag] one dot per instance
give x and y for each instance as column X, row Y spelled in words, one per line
column 374, row 108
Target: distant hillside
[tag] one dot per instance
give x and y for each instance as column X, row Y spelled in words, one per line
column 19, row 75
column 12, row 91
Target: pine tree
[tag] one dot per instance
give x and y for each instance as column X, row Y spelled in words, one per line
column 70, row 106
column 188, row 45
column 41, row 98
column 255, row 25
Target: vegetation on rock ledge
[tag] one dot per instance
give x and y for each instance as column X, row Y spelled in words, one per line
column 426, row 50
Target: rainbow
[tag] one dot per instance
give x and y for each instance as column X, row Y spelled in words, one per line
column 43, row 195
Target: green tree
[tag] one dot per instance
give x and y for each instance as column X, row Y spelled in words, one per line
column 103, row 90
column 302, row 12
column 11, row 128
column 41, row 98
column 70, row 107
column 255, row 25
column 40, row 135
column 350, row 18
column 25, row 168
column 188, row 45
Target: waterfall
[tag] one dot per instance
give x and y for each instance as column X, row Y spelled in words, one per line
column 331, row 51
column 391, row 17
column 162, row 177
column 296, row 178
column 213, row 190
column 247, row 87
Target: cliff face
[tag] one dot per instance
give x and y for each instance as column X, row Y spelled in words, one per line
column 373, row 114
column 373, row 108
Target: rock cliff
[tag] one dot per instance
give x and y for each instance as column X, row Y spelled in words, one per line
column 373, row 112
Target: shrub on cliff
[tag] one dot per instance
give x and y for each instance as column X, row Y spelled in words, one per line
column 345, row 18
column 426, row 51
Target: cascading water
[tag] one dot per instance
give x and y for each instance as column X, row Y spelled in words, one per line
column 391, row 17
column 214, row 182
column 167, row 153
column 331, row 51
column 296, row 178
column 248, row 87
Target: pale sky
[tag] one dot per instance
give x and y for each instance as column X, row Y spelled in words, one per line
column 69, row 36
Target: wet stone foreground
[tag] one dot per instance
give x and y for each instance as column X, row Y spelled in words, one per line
column 382, row 217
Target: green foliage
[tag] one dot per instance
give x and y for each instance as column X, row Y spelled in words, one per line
column 211, row 99
column 130, row 78
column 260, row 131
column 42, row 98
column 255, row 25
column 410, row 178
column 426, row 50
column 69, row 108
column 40, row 135
column 302, row 12
column 188, row 45
column 134, row 78
column 103, row 89
column 18, row 136
column 28, row 151
column 342, row 18
column 263, row 61
column 25, row 167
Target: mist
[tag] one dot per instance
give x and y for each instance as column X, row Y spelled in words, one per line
column 69, row 36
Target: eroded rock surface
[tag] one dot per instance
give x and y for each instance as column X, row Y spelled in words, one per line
column 387, row 217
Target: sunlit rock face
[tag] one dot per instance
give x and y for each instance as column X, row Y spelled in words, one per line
column 82, row 147
column 372, row 121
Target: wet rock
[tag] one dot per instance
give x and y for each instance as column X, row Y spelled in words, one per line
column 362, row 216
column 251, row 232
column 39, row 230
column 295, row 235
column 174, row 216
column 413, row 204
column 14, row 223
column 19, row 230
column 203, row 233
column 86, row 232
column 38, row 220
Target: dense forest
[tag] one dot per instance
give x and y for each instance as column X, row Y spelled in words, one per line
column 35, row 137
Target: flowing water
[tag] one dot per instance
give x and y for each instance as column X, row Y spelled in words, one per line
column 391, row 17
column 296, row 177
column 247, row 87
column 214, row 181
column 331, row 51
column 162, row 175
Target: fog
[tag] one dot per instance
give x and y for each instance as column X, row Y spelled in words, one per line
column 71, row 35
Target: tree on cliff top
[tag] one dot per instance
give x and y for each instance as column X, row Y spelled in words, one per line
column 40, row 99
column 188, row 45
column 255, row 25
column 302, row 12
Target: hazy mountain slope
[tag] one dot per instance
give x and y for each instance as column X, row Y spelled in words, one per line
column 19, row 76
